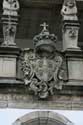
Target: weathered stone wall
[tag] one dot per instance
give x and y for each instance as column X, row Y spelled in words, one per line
column 18, row 97
column 14, row 93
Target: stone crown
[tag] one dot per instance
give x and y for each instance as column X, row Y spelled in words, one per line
column 44, row 37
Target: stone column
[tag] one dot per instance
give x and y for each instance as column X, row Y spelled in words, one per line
column 9, row 20
column 10, row 71
column 70, row 24
column 9, row 52
column 73, row 54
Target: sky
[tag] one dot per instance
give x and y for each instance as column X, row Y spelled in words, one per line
column 8, row 116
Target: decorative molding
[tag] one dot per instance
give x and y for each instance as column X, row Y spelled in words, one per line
column 44, row 1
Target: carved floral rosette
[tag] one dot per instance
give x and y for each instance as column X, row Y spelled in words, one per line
column 42, row 75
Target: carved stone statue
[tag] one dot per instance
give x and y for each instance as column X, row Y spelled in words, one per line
column 10, row 7
column 69, row 10
column 9, row 35
column 10, row 20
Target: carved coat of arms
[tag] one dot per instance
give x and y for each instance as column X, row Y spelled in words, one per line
column 42, row 68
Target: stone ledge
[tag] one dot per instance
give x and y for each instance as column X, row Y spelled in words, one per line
column 10, row 81
column 26, row 101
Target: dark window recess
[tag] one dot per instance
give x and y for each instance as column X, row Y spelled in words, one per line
column 30, row 20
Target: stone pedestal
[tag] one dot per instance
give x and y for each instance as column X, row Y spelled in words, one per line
column 74, row 59
column 9, row 68
column 70, row 34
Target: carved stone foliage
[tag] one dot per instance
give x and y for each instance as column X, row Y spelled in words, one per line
column 69, row 10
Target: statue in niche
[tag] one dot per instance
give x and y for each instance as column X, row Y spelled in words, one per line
column 10, row 7
column 69, row 10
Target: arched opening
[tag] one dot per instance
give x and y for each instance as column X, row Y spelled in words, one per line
column 42, row 118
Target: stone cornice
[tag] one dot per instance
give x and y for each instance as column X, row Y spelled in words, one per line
column 45, row 1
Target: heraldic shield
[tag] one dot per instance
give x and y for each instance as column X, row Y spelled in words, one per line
column 42, row 66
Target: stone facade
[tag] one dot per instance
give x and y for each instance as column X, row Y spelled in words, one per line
column 43, row 77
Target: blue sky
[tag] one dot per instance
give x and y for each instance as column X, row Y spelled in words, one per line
column 8, row 116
